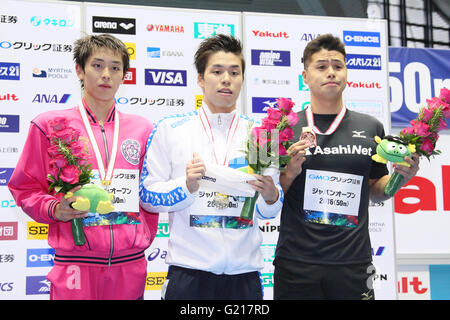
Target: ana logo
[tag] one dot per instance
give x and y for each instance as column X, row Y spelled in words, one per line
column 131, row 151
column 37, row 285
column 113, row 25
column 9, row 123
column 50, row 98
column 5, row 175
column 362, row 38
column 9, row 71
column 271, row 58
column 8, row 230
column 203, row 30
column 364, row 61
column 40, row 257
column 130, row 76
column 270, row 34
column 308, row 36
column 165, row 28
column 161, row 77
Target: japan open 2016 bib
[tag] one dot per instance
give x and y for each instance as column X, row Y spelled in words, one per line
column 332, row 198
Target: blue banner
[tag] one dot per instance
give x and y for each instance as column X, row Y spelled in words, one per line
column 415, row 75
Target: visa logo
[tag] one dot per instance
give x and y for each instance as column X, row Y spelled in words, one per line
column 40, row 257
column 362, row 38
column 160, row 77
column 364, row 61
column 271, row 58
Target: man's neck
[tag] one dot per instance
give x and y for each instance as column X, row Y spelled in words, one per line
column 326, row 106
column 100, row 109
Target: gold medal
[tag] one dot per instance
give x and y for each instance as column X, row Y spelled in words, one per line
column 220, row 201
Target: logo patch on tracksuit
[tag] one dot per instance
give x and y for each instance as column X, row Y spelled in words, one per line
column 131, row 151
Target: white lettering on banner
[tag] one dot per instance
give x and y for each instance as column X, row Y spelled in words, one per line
column 408, row 90
column 105, row 25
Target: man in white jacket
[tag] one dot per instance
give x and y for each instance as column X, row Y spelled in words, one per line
column 212, row 252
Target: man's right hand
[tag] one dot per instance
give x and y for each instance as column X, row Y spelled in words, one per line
column 64, row 212
column 195, row 170
column 297, row 153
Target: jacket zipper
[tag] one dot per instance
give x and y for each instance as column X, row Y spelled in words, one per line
column 110, row 226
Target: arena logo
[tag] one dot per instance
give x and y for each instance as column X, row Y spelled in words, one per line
column 167, row 28
column 362, row 38
column 270, row 34
column 271, row 58
column 162, row 77
column 113, row 25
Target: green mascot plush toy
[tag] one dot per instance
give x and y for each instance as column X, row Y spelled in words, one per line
column 393, row 149
column 92, row 198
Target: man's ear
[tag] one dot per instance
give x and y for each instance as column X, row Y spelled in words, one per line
column 304, row 77
column 200, row 81
column 80, row 72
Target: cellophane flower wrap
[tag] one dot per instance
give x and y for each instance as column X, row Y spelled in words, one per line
column 424, row 133
column 267, row 144
column 68, row 164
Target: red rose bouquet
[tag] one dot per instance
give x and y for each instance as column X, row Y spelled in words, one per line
column 424, row 133
column 267, row 144
column 68, row 165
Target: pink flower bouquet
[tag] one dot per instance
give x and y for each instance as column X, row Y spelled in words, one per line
column 68, row 165
column 424, row 133
column 267, row 144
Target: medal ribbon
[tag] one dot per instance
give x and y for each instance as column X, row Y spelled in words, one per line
column 208, row 130
column 105, row 177
column 334, row 125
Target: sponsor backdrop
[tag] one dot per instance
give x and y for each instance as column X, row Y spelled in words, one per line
column 37, row 74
